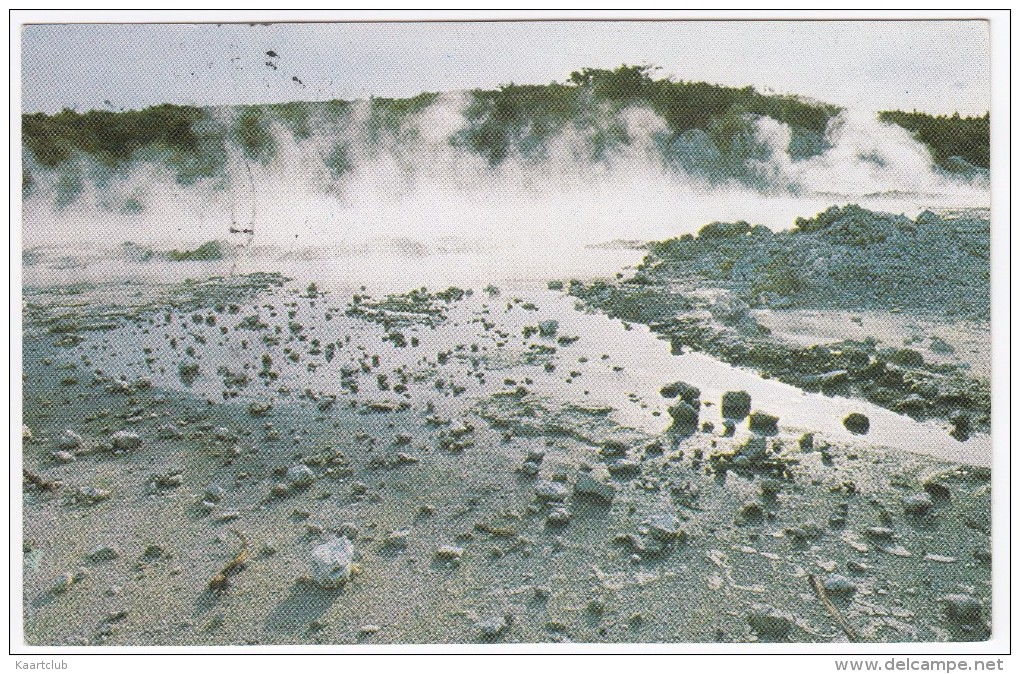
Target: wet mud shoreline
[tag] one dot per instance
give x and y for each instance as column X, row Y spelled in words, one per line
column 498, row 474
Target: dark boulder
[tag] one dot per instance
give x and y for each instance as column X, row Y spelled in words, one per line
column 736, row 404
column 685, row 417
column 857, row 423
column 684, row 391
column 766, row 424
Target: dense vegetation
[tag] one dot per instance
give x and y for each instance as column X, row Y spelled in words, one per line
column 709, row 129
column 521, row 117
column 110, row 137
column 947, row 136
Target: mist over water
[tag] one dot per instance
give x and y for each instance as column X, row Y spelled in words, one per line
column 410, row 192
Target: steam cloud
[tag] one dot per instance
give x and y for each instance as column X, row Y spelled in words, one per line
column 413, row 190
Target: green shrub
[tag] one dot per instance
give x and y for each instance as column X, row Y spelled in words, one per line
column 252, row 133
column 207, row 252
column 947, row 136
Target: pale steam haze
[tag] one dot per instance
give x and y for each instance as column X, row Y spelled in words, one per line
column 932, row 66
column 419, row 189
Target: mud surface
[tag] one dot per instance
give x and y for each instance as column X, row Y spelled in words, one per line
column 502, row 464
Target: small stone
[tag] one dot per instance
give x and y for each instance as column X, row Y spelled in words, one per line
column 169, row 432
column 154, row 552
column 961, row 425
column 624, row 467
column 736, row 404
column 116, row 616
column 896, row 550
column 937, row 490
column 449, row 553
column 63, row 457
column 941, row 559
column 92, row 495
column 300, row 475
column 369, row 629
column 834, row 583
column 104, row 553
column 685, row 417
column 770, row 488
column 530, row 468
column 752, row 511
column 547, row 490
column 214, row 493
column 333, row 563
column 587, row 485
column 126, row 441
column 224, row 434
column 70, row 441
column 396, row 540
column 259, row 409
column 684, row 391
column 26, row 433
column 279, row 489
column 760, row 422
column 962, row 608
column 754, row 448
column 558, row 518
column 769, row 623
column 63, row 583
column 491, row 628
column 857, row 423
column 535, row 457
column 664, row 527
column 880, row 533
column 917, row 504
column 169, row 480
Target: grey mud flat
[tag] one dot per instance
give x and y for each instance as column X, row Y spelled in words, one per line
column 451, row 438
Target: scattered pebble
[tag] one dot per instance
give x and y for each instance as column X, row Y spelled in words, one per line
column 333, row 563
column 917, row 504
column 558, row 518
column 126, row 441
column 962, row 608
column 449, row 553
column 587, row 485
column 857, row 423
column 69, row 440
column 547, row 490
column 834, row 583
column 299, row 476
column 102, row 553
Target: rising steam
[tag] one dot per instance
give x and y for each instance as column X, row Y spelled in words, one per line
column 353, row 188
